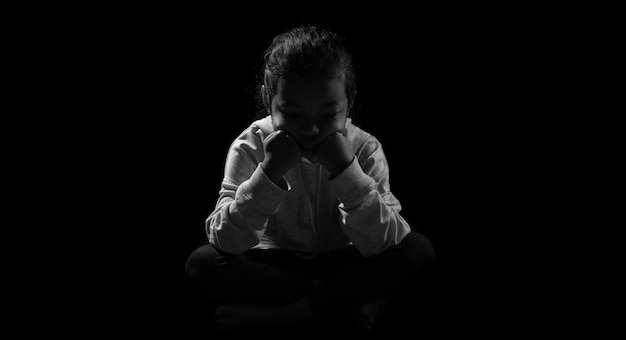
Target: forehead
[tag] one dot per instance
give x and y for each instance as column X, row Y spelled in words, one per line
column 311, row 90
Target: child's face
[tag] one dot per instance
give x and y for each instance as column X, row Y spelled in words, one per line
column 310, row 109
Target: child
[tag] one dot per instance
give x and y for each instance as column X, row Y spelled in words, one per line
column 306, row 230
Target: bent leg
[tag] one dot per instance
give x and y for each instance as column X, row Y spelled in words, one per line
column 260, row 277
column 260, row 288
column 355, row 281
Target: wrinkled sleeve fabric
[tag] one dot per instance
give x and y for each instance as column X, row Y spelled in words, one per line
column 247, row 197
column 370, row 213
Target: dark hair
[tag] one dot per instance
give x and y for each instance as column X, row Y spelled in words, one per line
column 307, row 50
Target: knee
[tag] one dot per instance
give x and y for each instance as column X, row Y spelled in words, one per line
column 201, row 262
column 418, row 249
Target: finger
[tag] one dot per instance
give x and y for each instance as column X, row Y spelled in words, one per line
column 273, row 135
column 333, row 136
column 343, row 132
column 279, row 133
column 282, row 135
column 285, row 139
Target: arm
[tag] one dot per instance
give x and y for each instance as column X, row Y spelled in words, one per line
column 247, row 197
column 370, row 213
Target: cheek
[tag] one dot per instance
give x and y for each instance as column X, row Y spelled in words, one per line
column 337, row 125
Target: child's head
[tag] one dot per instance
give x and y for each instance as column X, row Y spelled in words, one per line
column 309, row 83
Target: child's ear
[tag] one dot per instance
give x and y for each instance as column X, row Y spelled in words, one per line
column 266, row 98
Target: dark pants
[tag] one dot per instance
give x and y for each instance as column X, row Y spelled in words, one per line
column 335, row 283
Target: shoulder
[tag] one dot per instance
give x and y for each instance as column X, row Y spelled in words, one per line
column 246, row 150
column 363, row 141
column 249, row 142
column 355, row 134
column 255, row 132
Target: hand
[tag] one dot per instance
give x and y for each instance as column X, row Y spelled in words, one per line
column 335, row 153
column 281, row 154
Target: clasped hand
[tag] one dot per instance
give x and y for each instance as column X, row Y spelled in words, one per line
column 282, row 153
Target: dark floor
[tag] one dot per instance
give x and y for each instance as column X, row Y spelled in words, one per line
column 422, row 317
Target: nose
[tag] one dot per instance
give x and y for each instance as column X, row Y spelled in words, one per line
column 309, row 130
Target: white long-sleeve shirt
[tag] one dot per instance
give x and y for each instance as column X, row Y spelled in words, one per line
column 314, row 214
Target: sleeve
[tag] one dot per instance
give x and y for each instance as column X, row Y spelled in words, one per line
column 247, row 197
column 370, row 213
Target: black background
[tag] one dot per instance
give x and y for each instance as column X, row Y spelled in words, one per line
column 463, row 101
